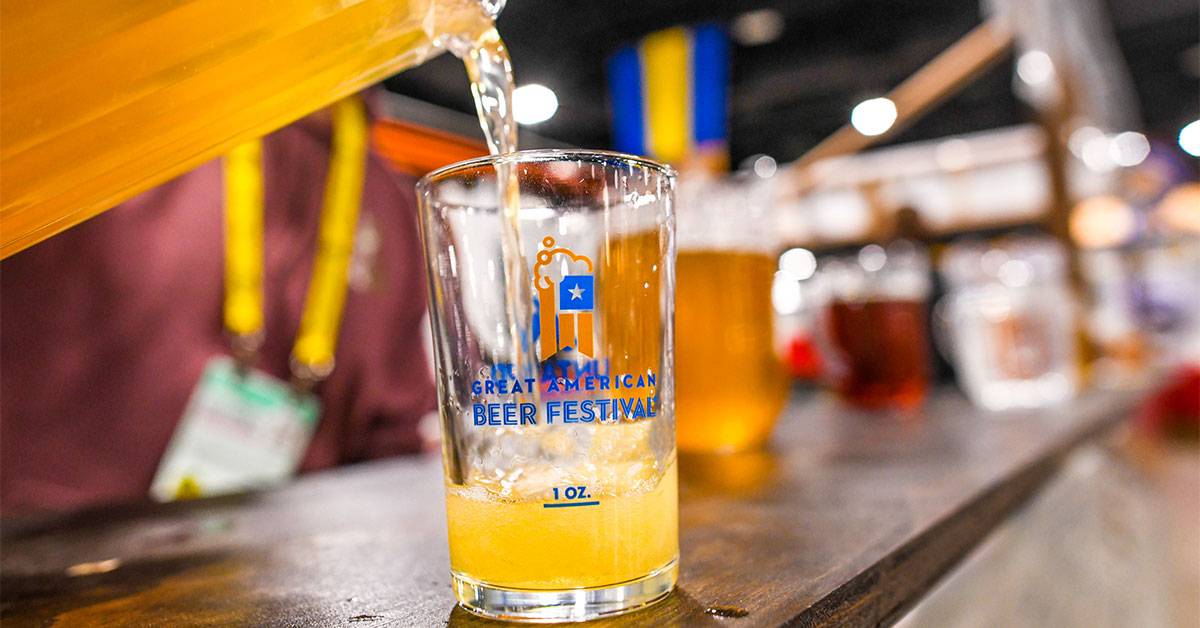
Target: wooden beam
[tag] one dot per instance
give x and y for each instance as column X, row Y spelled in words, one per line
column 936, row 81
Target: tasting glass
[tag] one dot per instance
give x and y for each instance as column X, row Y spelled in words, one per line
column 551, row 291
column 874, row 331
column 1007, row 323
column 730, row 382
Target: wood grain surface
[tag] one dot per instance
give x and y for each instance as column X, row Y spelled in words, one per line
column 847, row 520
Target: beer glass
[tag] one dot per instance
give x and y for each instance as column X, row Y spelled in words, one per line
column 551, row 283
column 731, row 384
column 874, row 336
column 1007, row 323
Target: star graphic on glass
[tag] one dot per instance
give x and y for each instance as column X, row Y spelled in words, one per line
column 575, row 293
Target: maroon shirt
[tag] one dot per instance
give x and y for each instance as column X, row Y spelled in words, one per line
column 107, row 326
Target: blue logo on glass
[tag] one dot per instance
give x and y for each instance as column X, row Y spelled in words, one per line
column 576, row 293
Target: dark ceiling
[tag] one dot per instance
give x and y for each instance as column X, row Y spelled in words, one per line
column 789, row 94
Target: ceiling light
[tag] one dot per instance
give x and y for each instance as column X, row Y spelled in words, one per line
column 1177, row 210
column 1035, row 67
column 533, row 104
column 1189, row 138
column 1096, row 154
column 872, row 257
column 799, row 263
column 1128, row 149
column 765, row 166
column 1102, row 222
column 755, row 28
column 874, row 116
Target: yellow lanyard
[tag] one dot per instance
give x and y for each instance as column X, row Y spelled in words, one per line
column 312, row 353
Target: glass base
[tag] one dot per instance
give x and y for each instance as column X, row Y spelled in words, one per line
column 533, row 605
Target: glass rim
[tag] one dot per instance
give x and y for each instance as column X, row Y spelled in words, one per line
column 540, row 155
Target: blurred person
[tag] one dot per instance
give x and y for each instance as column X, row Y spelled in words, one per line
column 108, row 326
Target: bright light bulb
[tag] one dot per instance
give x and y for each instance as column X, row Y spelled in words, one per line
column 534, row 103
column 872, row 257
column 874, row 116
column 755, row 28
column 1189, row 138
column 1102, row 222
column 1096, row 153
column 765, row 166
column 1035, row 67
column 1128, row 149
column 800, row 263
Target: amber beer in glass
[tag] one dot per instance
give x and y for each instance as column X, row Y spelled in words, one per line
column 730, row 384
column 882, row 345
column 875, row 339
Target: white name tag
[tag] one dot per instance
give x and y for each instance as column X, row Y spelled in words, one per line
column 240, row 431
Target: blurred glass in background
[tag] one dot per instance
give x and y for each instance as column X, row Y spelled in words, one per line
column 873, row 331
column 1007, row 322
column 730, row 385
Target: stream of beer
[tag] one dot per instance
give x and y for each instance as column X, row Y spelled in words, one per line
column 490, row 71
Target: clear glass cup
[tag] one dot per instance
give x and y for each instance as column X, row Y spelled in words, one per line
column 557, row 408
column 873, row 332
column 731, row 384
column 1007, row 323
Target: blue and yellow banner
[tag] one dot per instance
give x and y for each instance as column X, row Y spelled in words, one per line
column 668, row 95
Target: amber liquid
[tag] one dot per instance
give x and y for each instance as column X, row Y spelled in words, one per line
column 632, row 531
column 880, row 352
column 629, row 281
column 105, row 99
column 730, row 386
column 502, row 534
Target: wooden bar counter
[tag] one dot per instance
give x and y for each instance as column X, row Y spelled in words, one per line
column 848, row 520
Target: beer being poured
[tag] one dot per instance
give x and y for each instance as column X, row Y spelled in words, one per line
column 632, row 529
column 490, row 72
